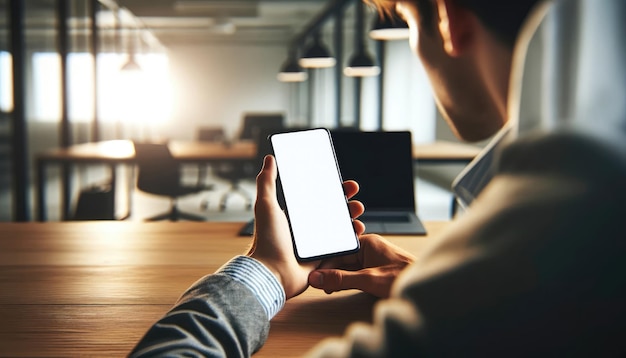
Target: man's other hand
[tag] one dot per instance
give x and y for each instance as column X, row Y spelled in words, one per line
column 373, row 269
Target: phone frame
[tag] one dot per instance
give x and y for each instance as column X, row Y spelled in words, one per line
column 286, row 208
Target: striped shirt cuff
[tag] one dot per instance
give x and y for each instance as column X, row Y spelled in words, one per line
column 258, row 279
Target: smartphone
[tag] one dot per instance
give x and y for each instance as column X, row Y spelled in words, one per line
column 315, row 203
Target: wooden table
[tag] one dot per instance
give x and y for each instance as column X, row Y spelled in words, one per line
column 115, row 152
column 93, row 288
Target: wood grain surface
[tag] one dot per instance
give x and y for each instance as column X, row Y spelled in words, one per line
column 93, row 288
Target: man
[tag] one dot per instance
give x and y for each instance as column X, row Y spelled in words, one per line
column 534, row 267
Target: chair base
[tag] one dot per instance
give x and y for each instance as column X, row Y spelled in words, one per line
column 236, row 189
column 175, row 215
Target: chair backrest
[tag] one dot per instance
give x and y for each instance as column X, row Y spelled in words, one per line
column 263, row 146
column 158, row 171
column 211, row 134
column 251, row 121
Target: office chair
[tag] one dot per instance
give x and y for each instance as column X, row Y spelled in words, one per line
column 237, row 172
column 208, row 134
column 159, row 174
column 253, row 125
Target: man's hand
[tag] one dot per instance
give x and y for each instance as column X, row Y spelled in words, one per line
column 373, row 269
column 272, row 239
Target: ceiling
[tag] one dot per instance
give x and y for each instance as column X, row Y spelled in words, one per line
column 179, row 22
column 176, row 22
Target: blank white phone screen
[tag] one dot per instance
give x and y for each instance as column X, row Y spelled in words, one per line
column 316, row 204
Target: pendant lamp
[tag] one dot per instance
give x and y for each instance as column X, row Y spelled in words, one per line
column 361, row 64
column 131, row 62
column 316, row 55
column 291, row 71
column 389, row 26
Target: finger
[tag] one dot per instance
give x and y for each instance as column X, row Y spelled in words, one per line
column 359, row 227
column 356, row 208
column 345, row 262
column 350, row 188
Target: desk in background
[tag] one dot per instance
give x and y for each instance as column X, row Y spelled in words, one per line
column 444, row 152
column 121, row 152
column 116, row 152
column 94, row 288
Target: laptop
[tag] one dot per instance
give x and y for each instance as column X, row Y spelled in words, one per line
column 382, row 164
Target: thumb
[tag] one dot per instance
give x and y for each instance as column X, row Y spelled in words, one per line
column 266, row 180
column 331, row 280
column 268, row 217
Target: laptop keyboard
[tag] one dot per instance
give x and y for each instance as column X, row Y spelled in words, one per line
column 391, row 218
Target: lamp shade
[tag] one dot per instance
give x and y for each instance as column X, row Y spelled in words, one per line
column 389, row 27
column 292, row 72
column 316, row 55
column 361, row 65
column 131, row 64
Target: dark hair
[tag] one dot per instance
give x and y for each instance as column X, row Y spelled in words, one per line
column 504, row 18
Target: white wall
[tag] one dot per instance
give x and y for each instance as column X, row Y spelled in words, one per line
column 408, row 101
column 214, row 85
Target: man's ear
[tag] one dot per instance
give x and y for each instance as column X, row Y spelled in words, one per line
column 456, row 25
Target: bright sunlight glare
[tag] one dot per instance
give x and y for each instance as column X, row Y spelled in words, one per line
column 6, row 82
column 133, row 98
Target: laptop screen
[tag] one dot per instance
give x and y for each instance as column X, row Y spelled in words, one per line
column 382, row 164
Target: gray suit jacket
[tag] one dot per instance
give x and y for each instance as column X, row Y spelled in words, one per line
column 535, row 267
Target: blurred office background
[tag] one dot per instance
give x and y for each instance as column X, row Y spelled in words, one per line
column 76, row 71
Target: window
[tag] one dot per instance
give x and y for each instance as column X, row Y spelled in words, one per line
column 136, row 97
column 6, row 82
